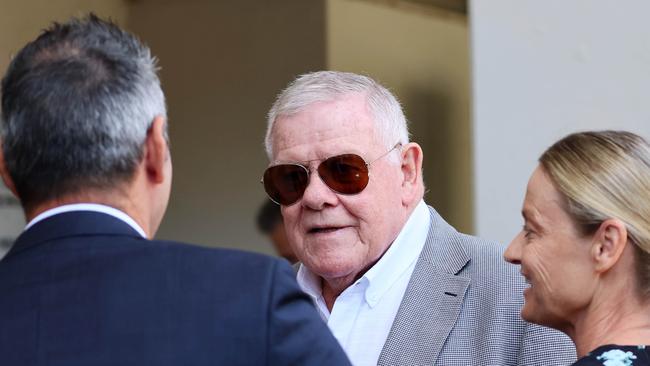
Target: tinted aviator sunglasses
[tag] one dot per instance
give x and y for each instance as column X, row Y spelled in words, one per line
column 346, row 174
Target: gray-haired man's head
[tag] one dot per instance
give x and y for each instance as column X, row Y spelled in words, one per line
column 77, row 103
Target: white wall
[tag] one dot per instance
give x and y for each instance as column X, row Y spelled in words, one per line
column 542, row 69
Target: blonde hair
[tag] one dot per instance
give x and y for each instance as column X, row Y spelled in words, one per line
column 602, row 175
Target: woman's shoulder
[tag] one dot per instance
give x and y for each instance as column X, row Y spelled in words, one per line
column 615, row 355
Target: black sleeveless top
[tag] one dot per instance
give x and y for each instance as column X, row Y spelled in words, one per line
column 613, row 355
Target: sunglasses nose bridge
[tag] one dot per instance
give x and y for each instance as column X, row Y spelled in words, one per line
column 317, row 192
column 311, row 170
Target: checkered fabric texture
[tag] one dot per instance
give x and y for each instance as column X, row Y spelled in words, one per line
column 462, row 307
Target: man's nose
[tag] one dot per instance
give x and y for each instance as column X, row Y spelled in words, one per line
column 317, row 194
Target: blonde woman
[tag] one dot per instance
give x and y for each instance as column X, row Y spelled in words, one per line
column 585, row 245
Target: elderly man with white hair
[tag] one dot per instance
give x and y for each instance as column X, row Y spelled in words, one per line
column 396, row 284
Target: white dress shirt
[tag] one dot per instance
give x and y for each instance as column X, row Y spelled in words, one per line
column 95, row 207
column 364, row 312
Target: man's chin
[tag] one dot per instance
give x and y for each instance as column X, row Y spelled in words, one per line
column 340, row 271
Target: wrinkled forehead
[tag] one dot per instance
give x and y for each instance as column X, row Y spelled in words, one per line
column 290, row 132
column 542, row 199
column 326, row 127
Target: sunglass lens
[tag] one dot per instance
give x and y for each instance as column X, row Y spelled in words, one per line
column 286, row 183
column 347, row 174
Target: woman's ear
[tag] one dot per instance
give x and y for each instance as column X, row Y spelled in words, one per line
column 608, row 244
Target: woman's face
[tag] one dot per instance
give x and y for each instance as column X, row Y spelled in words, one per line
column 554, row 257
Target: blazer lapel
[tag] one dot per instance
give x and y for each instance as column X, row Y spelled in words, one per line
column 432, row 301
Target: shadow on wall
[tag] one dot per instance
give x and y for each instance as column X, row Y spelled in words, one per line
column 446, row 163
column 223, row 63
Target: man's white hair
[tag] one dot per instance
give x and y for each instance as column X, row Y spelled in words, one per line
column 325, row 86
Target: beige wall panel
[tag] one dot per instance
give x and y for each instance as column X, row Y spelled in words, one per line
column 223, row 62
column 21, row 21
column 422, row 55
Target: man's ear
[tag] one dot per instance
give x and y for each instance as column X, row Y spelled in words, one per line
column 411, row 165
column 608, row 244
column 6, row 178
column 156, row 151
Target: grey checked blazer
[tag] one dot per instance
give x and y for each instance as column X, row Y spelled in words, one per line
column 462, row 307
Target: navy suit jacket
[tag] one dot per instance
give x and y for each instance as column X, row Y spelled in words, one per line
column 83, row 288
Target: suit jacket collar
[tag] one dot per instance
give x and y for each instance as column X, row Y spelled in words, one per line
column 443, row 249
column 432, row 301
column 75, row 223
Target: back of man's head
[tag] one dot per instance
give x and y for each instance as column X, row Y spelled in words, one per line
column 76, row 106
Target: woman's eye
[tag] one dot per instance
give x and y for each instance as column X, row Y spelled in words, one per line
column 528, row 233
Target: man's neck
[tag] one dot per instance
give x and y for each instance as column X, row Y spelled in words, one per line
column 111, row 198
column 332, row 288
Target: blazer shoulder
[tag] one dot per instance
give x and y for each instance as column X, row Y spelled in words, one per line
column 182, row 248
column 190, row 259
column 482, row 248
